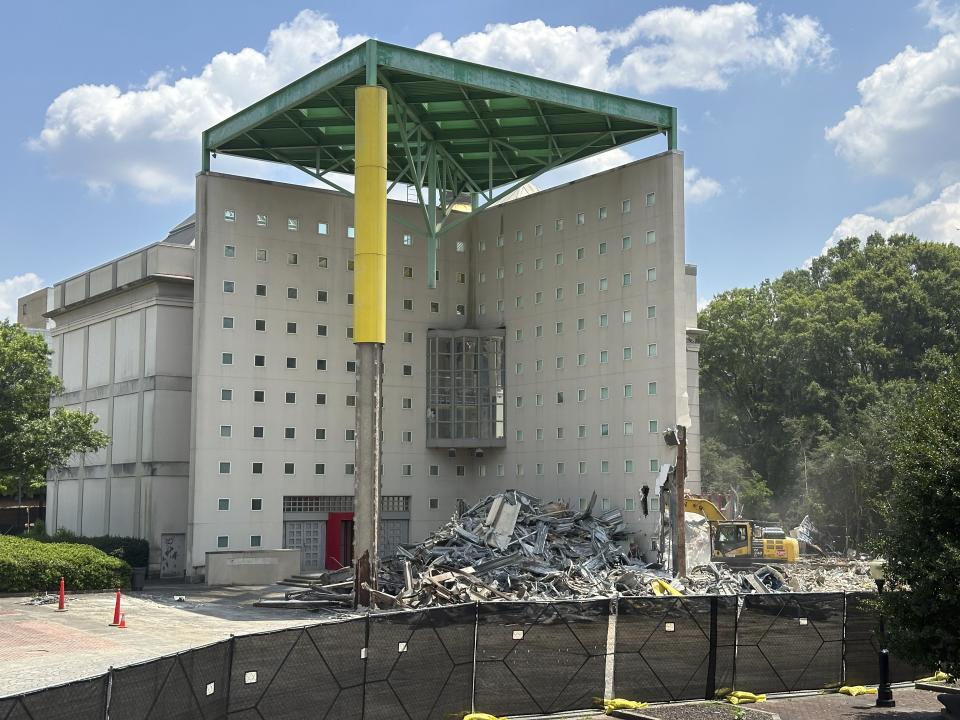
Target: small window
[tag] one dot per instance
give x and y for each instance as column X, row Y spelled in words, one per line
column 519, row 401
column 602, row 213
column 625, row 206
column 351, row 232
column 628, row 428
column 537, row 331
column 226, row 358
column 559, row 224
column 406, row 470
column 628, row 353
column 500, row 273
column 408, row 304
column 224, row 467
column 289, row 468
column 434, row 470
column 322, row 262
column 260, row 325
column 408, row 370
column 460, row 246
column 651, row 388
column 407, row 336
column 349, row 435
column 651, row 237
column 407, row 239
column 654, row 465
column 519, row 235
column 581, row 253
column 538, row 297
column 351, row 366
column 406, row 436
column 433, row 503
column 290, row 398
column 582, row 470
column 518, row 301
column 461, row 278
column 539, row 365
column 348, row 469
column 350, row 265
column 604, row 357
column 603, row 320
column 349, row 333
column 254, row 541
column 628, row 390
column 351, row 400
column 627, row 317
column 320, row 434
column 261, row 255
column 226, row 431
column 651, row 274
column 321, row 296
column 561, row 468
column 293, row 224
column 230, row 251
column 321, row 228
column 258, row 396
column 603, row 284
column 461, row 309
column 258, row 431
column 519, row 269
column 256, row 504
column 499, row 240
column 581, row 431
column 602, row 249
column 349, row 298
column 322, row 330
column 256, row 468
column 559, row 327
column 500, row 306
column 229, row 215
column 628, row 466
column 292, row 293
column 223, row 540
column 261, row 220
column 223, row 504
column 626, row 243
column 560, row 397
column 291, row 328
column 581, row 288
column 261, row 290
column 627, row 280
column 651, row 199
column 559, row 293
column 407, row 271
column 581, row 324
column 482, row 244
column 651, row 350
column 604, row 392
column 581, row 359
column 653, row 426
column 538, row 400
column 226, row 394
column 291, row 363
column 580, row 218
column 406, row 403
column 227, row 322
column 434, row 307
column 629, row 505
column 292, row 258
column 519, row 435
column 538, row 263
column 559, row 362
column 229, row 286
column 604, row 430
column 321, row 364
column 538, row 230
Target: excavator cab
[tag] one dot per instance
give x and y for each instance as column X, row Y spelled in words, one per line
column 731, row 539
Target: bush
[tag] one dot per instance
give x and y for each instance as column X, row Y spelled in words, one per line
column 135, row 551
column 32, row 566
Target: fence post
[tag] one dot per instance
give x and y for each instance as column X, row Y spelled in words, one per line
column 712, row 661
column 843, row 643
column 609, row 665
column 473, row 680
column 736, row 641
column 107, row 693
column 229, row 674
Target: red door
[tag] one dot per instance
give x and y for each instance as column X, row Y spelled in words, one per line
column 339, row 540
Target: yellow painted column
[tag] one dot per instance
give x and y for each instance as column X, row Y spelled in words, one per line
column 369, row 328
column 370, row 216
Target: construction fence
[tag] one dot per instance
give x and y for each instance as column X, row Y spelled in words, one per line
column 500, row 657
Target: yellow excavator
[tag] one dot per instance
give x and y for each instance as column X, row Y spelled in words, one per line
column 742, row 541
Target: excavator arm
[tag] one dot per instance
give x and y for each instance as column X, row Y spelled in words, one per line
column 702, row 506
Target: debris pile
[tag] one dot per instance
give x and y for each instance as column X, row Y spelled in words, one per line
column 513, row 546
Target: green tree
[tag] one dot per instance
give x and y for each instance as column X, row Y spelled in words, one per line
column 33, row 439
column 922, row 545
column 725, row 472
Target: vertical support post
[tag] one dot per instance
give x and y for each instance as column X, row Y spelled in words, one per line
column 432, row 217
column 672, row 132
column 711, row 688
column 204, row 155
column 370, row 326
column 680, row 477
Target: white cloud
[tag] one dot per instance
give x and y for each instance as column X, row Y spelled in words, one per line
column 941, row 19
column 937, row 221
column 146, row 137
column 906, row 120
column 14, row 288
column 697, row 188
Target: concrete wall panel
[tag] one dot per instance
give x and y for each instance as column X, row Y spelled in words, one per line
column 94, row 521
column 128, row 346
column 125, row 426
column 99, row 355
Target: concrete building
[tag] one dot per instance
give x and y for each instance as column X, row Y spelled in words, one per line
column 31, row 309
column 224, row 367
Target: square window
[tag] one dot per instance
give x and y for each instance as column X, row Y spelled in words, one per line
column 407, row 336
column 349, row 435
column 627, row 317
column 461, row 278
column 258, row 431
column 223, row 540
column 229, row 215
column 258, row 396
column 256, row 468
column 580, row 218
column 319, row 468
column 224, row 467
column 654, row 465
column 223, row 504
column 558, row 258
column 292, row 293
column 261, row 290
column 254, row 541
column 226, row 431
column 626, row 243
column 408, row 370
column 320, row 434
column 406, row 470
column 581, row 324
column 408, row 304
column 628, row 353
column 538, row 263
column 291, row 363
column 261, row 255
column 651, row 237
column 291, row 328
column 651, row 312
column 581, row 253
column 653, row 426
column 434, row 470
column 628, row 428
column 652, row 350
column 628, row 466
column 321, row 398
column 351, row 400
column 351, row 366
column 603, row 284
column 292, row 258
column 625, row 206
column 348, row 469
column 602, row 249
column 651, row 199
column 351, row 232
column 629, row 505
column 433, row 503
column 290, row 398
column 559, row 293
column 651, row 388
column 406, row 436
column 322, row 262
column 229, row 286
column 229, row 251
column 407, row 239
column 226, row 394
column 406, row 403
column 434, row 307
column 260, row 325
column 289, row 468
column 321, row 364
column 256, row 504
column 651, row 274
column 293, row 224
column 407, row 271
column 628, row 390
column 227, row 322
column 322, row 331
column 226, row 358
column 321, row 228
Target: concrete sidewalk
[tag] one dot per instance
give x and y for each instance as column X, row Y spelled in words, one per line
column 911, row 705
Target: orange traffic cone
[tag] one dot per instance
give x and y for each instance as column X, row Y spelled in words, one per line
column 123, row 621
column 116, row 611
column 61, row 604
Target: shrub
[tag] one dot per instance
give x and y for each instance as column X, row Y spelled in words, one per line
column 135, row 551
column 31, row 566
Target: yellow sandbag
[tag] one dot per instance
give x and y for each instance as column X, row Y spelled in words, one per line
column 621, row 704
column 482, row 716
column 854, row 690
column 938, row 676
column 739, row 697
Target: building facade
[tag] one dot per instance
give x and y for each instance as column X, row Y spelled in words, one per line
column 559, row 343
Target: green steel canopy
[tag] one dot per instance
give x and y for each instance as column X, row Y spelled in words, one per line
column 490, row 127
column 454, row 127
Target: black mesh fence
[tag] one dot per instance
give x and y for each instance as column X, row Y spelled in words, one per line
column 540, row 657
column 789, row 642
column 676, row 648
column 502, row 657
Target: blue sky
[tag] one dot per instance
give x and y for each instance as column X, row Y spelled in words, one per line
column 801, row 122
